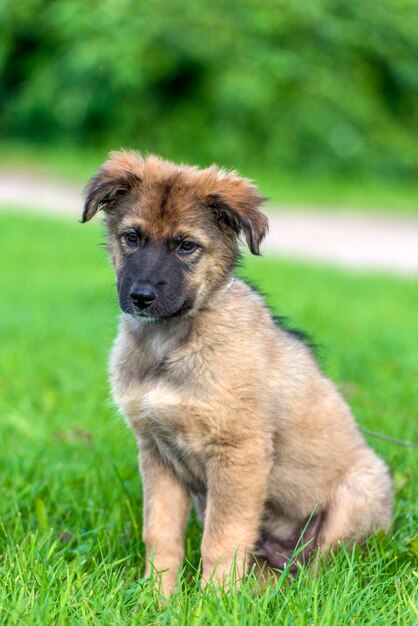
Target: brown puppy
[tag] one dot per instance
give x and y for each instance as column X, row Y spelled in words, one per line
column 225, row 405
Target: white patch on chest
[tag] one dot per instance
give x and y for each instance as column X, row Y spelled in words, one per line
column 159, row 398
column 162, row 409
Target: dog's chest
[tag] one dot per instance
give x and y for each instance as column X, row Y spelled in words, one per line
column 161, row 414
column 182, row 460
column 156, row 389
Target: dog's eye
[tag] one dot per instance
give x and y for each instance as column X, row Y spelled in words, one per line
column 186, row 247
column 132, row 238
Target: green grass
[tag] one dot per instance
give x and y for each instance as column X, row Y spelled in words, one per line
column 70, row 494
column 297, row 190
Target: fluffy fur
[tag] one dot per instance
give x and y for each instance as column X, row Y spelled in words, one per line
column 226, row 407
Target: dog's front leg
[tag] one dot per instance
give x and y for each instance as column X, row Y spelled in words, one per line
column 237, row 482
column 166, row 508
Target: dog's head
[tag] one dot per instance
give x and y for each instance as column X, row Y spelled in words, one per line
column 172, row 230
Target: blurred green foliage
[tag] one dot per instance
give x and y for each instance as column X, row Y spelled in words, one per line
column 319, row 86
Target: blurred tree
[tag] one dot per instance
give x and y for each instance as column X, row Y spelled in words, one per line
column 318, row 85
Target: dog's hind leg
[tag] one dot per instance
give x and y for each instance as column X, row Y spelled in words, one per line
column 360, row 505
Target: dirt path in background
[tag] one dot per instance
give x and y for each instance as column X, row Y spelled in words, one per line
column 347, row 239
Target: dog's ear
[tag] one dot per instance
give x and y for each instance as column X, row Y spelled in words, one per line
column 120, row 173
column 235, row 204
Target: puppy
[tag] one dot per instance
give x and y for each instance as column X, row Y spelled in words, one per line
column 226, row 406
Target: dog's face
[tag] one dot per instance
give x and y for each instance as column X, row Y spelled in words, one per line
column 172, row 231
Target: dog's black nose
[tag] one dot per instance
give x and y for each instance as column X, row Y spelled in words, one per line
column 142, row 295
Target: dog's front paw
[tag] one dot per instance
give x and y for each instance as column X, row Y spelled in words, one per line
column 224, row 573
column 163, row 582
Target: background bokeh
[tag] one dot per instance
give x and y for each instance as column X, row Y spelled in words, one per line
column 322, row 87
